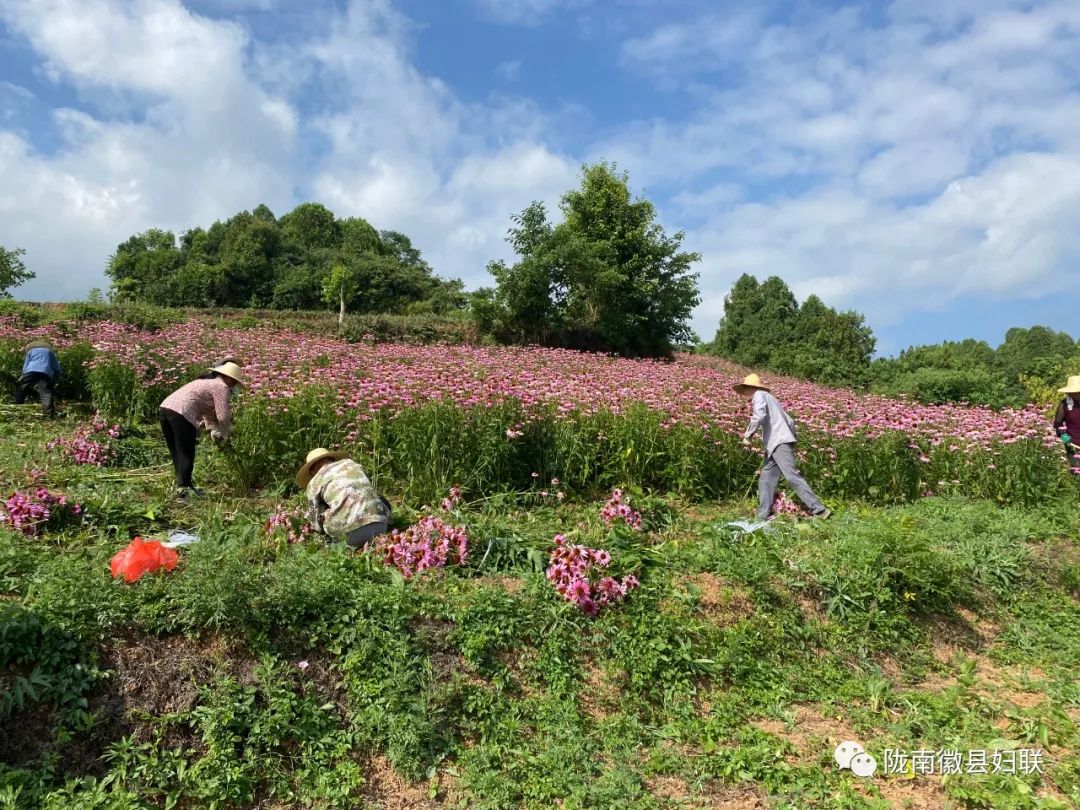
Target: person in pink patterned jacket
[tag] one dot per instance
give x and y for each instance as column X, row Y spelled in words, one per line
column 201, row 403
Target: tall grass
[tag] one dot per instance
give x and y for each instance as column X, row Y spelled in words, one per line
column 422, row 451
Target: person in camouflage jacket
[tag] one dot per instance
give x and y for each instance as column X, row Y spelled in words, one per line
column 342, row 501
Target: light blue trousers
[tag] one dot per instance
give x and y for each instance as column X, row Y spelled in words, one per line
column 782, row 462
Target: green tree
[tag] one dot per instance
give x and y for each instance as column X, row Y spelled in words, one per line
column 254, row 259
column 310, row 226
column 340, row 286
column 1029, row 363
column 13, row 271
column 759, row 321
column 263, row 213
column 143, row 267
column 607, row 276
column 358, row 237
column 529, row 303
column 1037, row 353
column 828, row 346
column 765, row 327
column 245, row 269
column 400, row 247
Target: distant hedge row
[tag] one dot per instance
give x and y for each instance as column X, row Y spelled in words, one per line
column 425, row 328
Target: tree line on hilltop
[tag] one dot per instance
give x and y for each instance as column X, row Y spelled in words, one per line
column 764, row 327
column 306, row 259
column 606, row 277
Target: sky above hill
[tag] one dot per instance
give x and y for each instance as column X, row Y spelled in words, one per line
column 916, row 160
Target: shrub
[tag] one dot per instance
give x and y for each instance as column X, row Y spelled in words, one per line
column 11, row 362
column 420, row 328
column 426, row 449
column 26, row 315
column 936, row 386
column 145, row 316
column 75, row 361
column 80, row 311
column 40, row 664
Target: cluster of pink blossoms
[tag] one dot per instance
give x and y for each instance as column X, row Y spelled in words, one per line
column 783, row 505
column 27, row 513
column 429, row 543
column 452, row 500
column 694, row 390
column 617, row 509
column 294, row 522
column 89, row 444
column 570, row 570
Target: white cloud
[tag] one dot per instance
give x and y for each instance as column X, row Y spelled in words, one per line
column 148, row 45
column 899, row 167
column 888, row 167
column 527, row 12
column 407, row 155
column 13, row 99
column 704, row 45
column 204, row 137
column 509, row 70
column 206, row 141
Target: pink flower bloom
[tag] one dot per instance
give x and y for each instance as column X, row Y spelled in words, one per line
column 30, row 514
column 616, row 510
column 429, row 543
column 571, row 572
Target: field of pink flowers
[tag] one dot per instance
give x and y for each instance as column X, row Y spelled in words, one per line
column 656, row 423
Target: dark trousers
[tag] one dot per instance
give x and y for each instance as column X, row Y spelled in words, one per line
column 180, row 437
column 40, row 383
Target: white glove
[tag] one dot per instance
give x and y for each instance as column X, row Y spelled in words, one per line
column 217, row 435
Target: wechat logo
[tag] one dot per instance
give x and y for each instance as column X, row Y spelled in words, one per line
column 851, row 755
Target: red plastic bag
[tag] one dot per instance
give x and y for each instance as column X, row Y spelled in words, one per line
column 142, row 557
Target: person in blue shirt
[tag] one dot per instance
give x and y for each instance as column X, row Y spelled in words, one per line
column 40, row 373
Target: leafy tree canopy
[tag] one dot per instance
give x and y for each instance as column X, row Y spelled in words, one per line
column 255, row 259
column 13, row 270
column 607, row 277
column 764, row 327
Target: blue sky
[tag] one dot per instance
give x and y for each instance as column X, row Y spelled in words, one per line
column 918, row 161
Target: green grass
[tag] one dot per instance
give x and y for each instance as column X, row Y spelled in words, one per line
column 730, row 674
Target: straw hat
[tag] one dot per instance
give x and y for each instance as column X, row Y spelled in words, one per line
column 1072, row 386
column 750, row 381
column 316, row 455
column 230, row 370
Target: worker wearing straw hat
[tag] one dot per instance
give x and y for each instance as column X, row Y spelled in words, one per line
column 209, row 375
column 200, row 403
column 343, row 503
column 40, row 373
column 1067, row 420
column 778, row 437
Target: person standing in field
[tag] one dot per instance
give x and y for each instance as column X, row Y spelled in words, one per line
column 343, row 503
column 40, row 373
column 200, row 403
column 1067, row 420
column 778, row 438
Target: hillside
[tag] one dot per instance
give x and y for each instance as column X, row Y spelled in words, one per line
column 938, row 610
